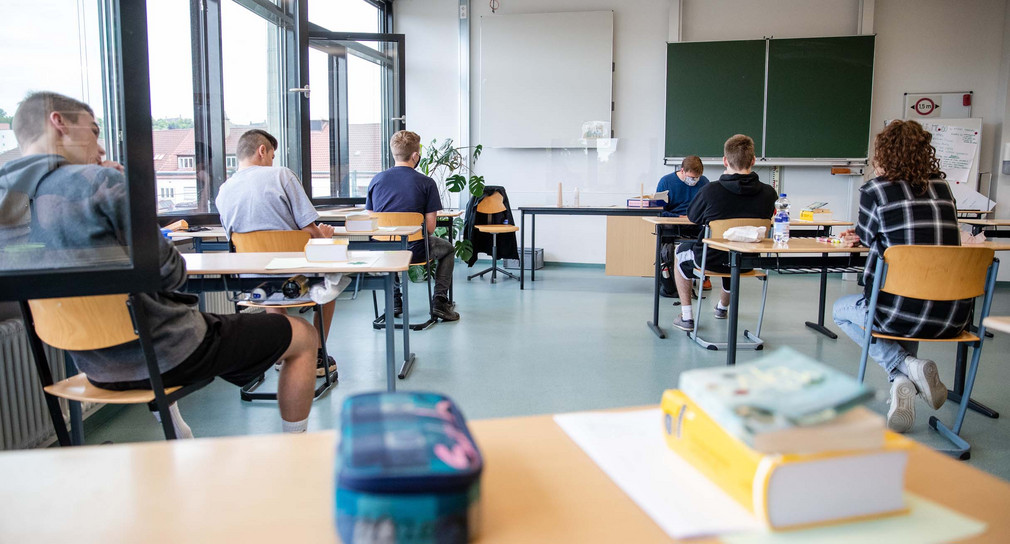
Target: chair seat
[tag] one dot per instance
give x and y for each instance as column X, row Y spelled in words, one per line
column 261, row 305
column 78, row 388
column 750, row 274
column 496, row 229
column 965, row 336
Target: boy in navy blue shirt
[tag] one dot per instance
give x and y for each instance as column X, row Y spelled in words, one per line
column 683, row 185
column 404, row 189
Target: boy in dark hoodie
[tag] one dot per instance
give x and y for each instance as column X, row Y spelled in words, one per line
column 738, row 193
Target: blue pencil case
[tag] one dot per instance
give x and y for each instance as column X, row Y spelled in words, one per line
column 408, row 470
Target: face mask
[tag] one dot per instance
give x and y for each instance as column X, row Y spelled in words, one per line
column 691, row 181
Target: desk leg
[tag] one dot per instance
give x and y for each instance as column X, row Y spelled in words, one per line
column 955, row 394
column 533, row 246
column 654, row 324
column 522, row 250
column 408, row 357
column 390, row 339
column 819, row 325
column 734, row 306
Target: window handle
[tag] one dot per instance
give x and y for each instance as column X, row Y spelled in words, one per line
column 304, row 90
column 402, row 118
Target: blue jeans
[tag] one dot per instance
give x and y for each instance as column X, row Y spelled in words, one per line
column 849, row 314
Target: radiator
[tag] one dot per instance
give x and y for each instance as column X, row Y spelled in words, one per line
column 218, row 303
column 24, row 418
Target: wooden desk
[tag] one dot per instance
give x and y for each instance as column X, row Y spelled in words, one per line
column 389, row 262
column 997, row 323
column 538, row 486
column 666, row 227
column 748, row 255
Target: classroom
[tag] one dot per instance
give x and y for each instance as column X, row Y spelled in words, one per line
column 553, row 339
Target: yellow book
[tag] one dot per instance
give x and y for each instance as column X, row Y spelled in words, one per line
column 788, row 490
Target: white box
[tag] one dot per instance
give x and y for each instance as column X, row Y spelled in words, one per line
column 326, row 250
column 361, row 222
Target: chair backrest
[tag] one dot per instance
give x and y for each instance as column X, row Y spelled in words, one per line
column 493, row 203
column 270, row 240
column 936, row 272
column 718, row 227
column 401, row 219
column 83, row 323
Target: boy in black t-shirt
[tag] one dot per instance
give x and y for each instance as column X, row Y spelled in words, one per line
column 738, row 193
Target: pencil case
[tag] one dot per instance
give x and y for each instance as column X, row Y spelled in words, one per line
column 408, row 470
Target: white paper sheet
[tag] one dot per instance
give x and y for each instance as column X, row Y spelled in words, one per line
column 629, row 447
column 293, row 263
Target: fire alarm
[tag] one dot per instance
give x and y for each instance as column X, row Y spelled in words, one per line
column 966, row 99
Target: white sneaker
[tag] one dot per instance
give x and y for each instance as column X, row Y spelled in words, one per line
column 901, row 415
column 924, row 375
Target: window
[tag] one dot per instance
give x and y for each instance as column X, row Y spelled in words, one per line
column 254, row 89
column 231, row 161
column 186, row 163
column 346, row 15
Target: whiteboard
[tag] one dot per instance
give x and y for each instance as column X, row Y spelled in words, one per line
column 546, row 79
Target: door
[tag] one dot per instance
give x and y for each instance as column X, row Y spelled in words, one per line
column 356, row 106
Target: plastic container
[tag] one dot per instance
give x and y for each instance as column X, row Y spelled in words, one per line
column 409, row 471
column 780, row 227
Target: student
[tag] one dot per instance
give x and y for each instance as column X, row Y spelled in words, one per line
column 403, row 189
column 681, row 187
column 907, row 203
column 261, row 196
column 738, row 193
column 61, row 157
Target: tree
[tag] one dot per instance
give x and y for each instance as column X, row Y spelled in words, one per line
column 4, row 118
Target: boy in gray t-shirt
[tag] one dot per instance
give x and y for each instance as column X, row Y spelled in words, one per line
column 260, row 196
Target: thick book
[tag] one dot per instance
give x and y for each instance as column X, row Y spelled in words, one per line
column 645, row 203
column 788, row 491
column 782, row 392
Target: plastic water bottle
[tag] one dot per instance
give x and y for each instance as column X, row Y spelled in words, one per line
column 780, row 229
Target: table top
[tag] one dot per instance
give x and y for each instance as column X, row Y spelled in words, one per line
column 795, row 245
column 256, row 263
column 217, row 231
column 997, row 323
column 986, row 222
column 272, row 488
column 683, row 220
column 214, row 231
column 450, row 213
column 590, row 210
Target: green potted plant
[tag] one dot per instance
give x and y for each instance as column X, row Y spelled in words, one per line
column 447, row 165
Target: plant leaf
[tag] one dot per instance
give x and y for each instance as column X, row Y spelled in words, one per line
column 464, row 249
column 440, row 232
column 476, row 151
column 476, row 185
column 455, row 183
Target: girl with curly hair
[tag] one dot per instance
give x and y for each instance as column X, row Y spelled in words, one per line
column 907, row 203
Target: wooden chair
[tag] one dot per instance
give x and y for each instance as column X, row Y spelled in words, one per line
column 90, row 323
column 936, row 273
column 716, row 229
column 406, row 219
column 490, row 205
column 263, row 241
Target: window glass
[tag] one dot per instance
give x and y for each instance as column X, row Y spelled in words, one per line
column 345, row 15
column 46, row 209
column 253, row 80
column 171, row 68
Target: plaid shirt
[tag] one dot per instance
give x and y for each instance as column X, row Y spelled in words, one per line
column 889, row 215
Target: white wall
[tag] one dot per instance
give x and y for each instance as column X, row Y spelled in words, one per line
column 922, row 45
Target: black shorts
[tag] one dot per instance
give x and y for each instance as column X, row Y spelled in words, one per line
column 237, row 348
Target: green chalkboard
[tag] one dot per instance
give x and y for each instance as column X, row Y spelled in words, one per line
column 819, row 93
column 818, row 97
column 713, row 91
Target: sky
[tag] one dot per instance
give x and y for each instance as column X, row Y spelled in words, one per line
column 54, row 45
